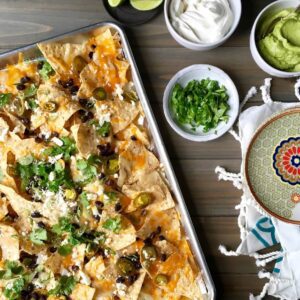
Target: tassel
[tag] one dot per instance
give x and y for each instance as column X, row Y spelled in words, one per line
column 265, row 91
column 297, row 89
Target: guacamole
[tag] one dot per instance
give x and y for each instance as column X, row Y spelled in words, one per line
column 279, row 40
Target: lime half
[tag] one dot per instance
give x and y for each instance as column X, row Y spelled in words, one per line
column 115, row 3
column 145, row 4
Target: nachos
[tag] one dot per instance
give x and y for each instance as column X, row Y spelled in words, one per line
column 85, row 209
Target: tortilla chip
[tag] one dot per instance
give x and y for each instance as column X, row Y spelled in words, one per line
column 95, row 267
column 82, row 292
column 153, row 184
column 123, row 113
column 53, row 121
column 54, row 263
column 134, row 131
column 3, row 207
column 9, row 242
column 133, row 291
column 21, row 206
column 86, row 140
column 167, row 220
column 78, row 253
column 89, row 81
column 134, row 161
column 60, row 56
column 5, row 178
column 125, row 237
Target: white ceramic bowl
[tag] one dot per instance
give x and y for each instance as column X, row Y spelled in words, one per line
column 236, row 7
column 273, row 7
column 199, row 72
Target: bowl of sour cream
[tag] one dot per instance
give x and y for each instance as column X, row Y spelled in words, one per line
column 202, row 24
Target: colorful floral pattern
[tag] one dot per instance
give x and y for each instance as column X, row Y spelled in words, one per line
column 295, row 197
column 286, row 160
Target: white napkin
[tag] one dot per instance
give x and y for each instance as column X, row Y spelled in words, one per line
column 258, row 229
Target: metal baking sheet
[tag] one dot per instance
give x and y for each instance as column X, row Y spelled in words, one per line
column 31, row 52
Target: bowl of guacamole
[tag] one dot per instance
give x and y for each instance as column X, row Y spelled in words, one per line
column 275, row 39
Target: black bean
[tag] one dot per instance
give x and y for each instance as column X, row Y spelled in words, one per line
column 75, row 268
column 34, row 296
column 41, row 224
column 99, row 204
column 97, row 217
column 30, row 287
column 55, row 134
column 101, row 252
column 118, row 207
column 137, row 239
column 60, row 82
column 91, row 55
column 36, row 214
column 75, row 225
column 74, row 89
column 69, row 83
column 85, row 103
column 52, row 249
column 93, row 46
column 40, row 65
column 25, row 79
column 101, row 176
column 110, row 182
column 21, row 87
column 24, row 294
column 133, row 138
column 158, row 230
column 161, row 238
column 78, row 189
column 148, row 241
column 120, row 279
column 25, row 121
column 132, row 278
column 86, row 260
column 163, row 257
column 116, row 297
column 38, row 139
column 152, row 235
column 106, row 149
column 86, row 115
column 143, row 212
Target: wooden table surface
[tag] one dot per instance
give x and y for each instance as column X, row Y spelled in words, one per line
column 211, row 203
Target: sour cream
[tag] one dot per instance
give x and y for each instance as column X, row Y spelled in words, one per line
column 201, row 21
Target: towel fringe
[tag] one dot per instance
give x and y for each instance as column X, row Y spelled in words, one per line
column 235, row 134
column 235, row 178
column 297, row 89
column 262, row 294
column 251, row 93
column 266, row 90
column 224, row 251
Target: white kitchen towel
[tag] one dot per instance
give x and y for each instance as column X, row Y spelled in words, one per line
column 258, row 229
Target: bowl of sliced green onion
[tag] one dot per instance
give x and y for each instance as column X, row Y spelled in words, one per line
column 201, row 103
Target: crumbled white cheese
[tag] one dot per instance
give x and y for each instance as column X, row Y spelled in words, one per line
column 52, row 176
column 17, row 129
column 84, row 278
column 41, row 258
column 45, row 132
column 57, row 141
column 64, row 272
column 54, row 159
column 103, row 114
column 91, row 196
column 121, row 289
column 118, row 92
column 141, row 120
column 116, row 175
column 3, row 134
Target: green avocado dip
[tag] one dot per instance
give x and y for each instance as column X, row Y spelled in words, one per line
column 279, row 40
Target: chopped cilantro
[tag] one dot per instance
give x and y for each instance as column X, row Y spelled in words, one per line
column 64, row 287
column 200, row 103
column 13, row 289
column 65, row 249
column 113, row 224
column 32, row 104
column 38, row 236
column 88, row 170
column 67, row 149
column 46, row 71
column 11, row 269
column 104, row 129
column 34, row 174
column 5, row 99
column 30, row 91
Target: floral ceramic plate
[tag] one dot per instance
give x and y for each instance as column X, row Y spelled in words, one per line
column 273, row 166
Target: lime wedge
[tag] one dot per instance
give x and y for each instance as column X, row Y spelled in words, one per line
column 115, row 3
column 145, row 4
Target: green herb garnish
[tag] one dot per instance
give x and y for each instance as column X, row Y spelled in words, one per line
column 46, row 71
column 113, row 224
column 13, row 290
column 38, row 236
column 64, row 287
column 67, row 149
column 87, row 168
column 5, row 99
column 30, row 91
column 200, row 103
column 34, row 174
